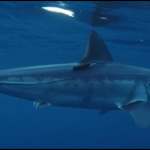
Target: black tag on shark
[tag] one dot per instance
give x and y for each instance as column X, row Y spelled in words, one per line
column 81, row 67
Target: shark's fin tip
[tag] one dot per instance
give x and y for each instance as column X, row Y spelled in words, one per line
column 103, row 111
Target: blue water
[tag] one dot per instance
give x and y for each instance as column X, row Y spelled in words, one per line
column 30, row 35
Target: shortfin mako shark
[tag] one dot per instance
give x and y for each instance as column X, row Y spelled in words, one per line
column 94, row 82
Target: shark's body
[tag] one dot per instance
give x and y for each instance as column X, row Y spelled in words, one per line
column 95, row 82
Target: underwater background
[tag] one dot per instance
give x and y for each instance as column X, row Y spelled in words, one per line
column 31, row 35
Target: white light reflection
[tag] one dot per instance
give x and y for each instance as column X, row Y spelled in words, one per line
column 59, row 10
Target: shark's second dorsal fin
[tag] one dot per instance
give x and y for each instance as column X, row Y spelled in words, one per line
column 96, row 50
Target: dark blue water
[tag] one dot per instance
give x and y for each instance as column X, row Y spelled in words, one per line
column 30, row 35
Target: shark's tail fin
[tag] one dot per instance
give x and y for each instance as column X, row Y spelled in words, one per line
column 140, row 112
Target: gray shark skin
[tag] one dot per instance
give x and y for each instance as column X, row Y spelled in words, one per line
column 94, row 82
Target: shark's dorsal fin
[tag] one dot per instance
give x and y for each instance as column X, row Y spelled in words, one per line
column 96, row 50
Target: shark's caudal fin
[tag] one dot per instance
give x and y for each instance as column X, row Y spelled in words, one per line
column 96, row 50
column 140, row 111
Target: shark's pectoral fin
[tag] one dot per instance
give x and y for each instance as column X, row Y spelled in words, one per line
column 140, row 111
column 104, row 111
column 40, row 104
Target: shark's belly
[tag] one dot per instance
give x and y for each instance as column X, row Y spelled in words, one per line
column 92, row 94
column 95, row 94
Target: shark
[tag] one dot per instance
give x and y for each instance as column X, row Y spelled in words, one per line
column 95, row 81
